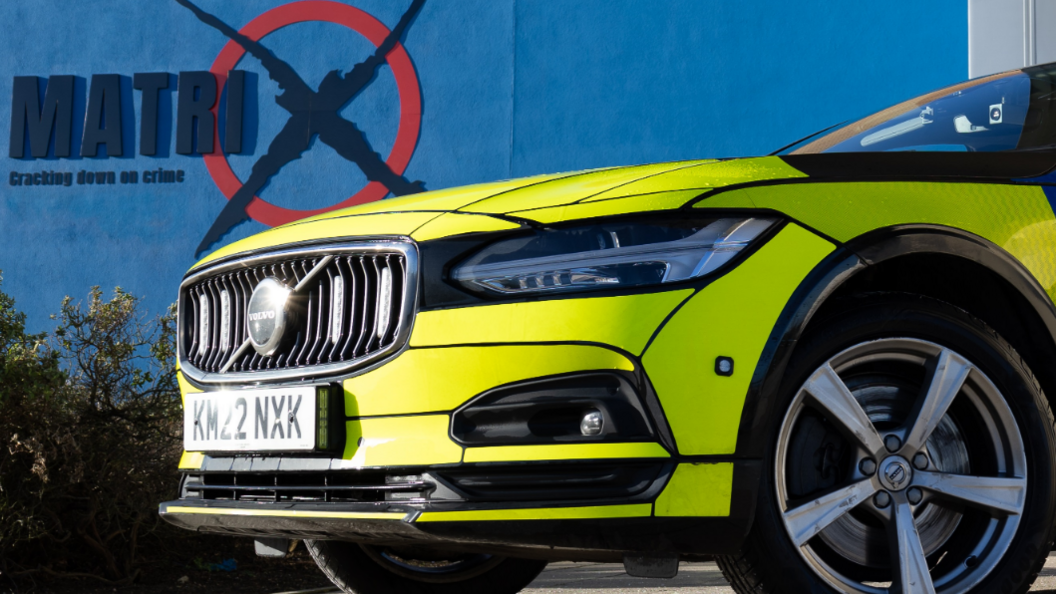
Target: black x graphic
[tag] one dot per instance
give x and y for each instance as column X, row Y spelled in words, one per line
column 312, row 114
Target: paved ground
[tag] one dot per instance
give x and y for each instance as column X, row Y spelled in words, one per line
column 608, row 578
column 693, row 578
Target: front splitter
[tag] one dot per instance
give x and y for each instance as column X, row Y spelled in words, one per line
column 584, row 528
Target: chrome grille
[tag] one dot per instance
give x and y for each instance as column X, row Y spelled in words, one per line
column 356, row 305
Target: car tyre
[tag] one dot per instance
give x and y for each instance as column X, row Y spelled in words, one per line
column 365, row 569
column 958, row 414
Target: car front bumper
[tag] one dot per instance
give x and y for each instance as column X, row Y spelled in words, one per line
column 398, row 422
column 583, row 529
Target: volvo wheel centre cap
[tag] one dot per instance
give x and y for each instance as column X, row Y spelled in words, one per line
column 267, row 315
column 895, row 473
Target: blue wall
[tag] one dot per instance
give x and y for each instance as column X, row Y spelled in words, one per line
column 508, row 88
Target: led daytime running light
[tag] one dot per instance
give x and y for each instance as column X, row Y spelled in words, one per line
column 651, row 263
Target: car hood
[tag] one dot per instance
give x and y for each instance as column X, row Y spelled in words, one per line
column 502, row 205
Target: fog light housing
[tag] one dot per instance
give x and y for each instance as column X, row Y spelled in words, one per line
column 592, row 424
column 593, row 406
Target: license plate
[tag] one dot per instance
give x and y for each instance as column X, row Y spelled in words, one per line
column 271, row 420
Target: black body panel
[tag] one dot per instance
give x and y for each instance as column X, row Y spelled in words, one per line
column 922, row 165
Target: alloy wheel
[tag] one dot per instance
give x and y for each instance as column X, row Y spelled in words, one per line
column 900, row 467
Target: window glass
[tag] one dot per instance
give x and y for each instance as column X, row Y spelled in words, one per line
column 1004, row 112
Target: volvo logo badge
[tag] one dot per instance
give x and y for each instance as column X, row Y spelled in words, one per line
column 896, row 473
column 267, row 315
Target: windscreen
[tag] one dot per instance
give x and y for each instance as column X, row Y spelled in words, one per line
column 1004, row 112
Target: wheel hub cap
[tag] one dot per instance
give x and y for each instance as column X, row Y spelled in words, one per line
column 895, row 473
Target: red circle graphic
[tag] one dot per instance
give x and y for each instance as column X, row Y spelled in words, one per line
column 406, row 82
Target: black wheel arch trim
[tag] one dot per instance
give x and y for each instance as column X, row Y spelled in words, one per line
column 1007, row 165
column 839, row 267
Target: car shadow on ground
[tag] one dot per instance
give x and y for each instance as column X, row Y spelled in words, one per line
column 693, row 578
column 604, row 576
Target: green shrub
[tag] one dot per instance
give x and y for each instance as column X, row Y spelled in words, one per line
column 90, row 418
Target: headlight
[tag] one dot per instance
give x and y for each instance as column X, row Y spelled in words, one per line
column 608, row 255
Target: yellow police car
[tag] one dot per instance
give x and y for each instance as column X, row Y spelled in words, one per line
column 831, row 367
